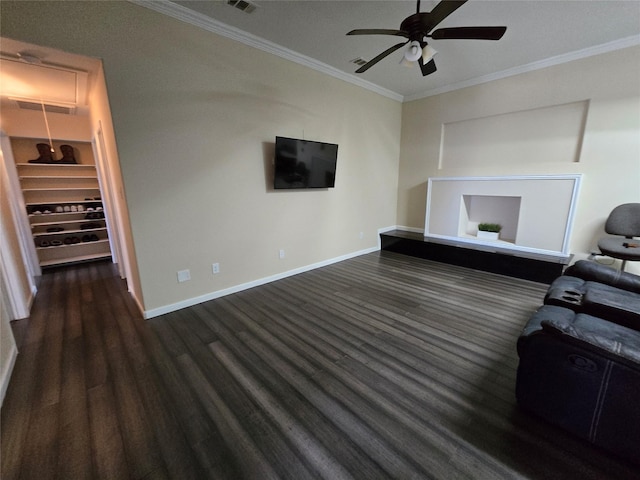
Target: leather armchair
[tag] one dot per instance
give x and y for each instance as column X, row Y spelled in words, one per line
column 580, row 359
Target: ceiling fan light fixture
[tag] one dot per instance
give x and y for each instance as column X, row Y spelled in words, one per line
column 428, row 52
column 414, row 52
column 406, row 63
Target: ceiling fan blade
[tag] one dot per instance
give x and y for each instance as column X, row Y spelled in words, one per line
column 469, row 33
column 379, row 31
column 442, row 11
column 427, row 69
column 375, row 60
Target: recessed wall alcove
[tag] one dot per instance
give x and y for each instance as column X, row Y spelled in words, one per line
column 536, row 212
column 477, row 209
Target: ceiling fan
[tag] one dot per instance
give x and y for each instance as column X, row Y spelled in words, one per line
column 418, row 27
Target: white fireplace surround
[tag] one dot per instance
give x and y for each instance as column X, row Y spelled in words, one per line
column 536, row 212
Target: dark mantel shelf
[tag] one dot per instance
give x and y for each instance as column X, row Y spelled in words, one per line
column 529, row 267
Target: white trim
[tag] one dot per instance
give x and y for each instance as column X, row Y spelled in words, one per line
column 207, row 23
column 631, row 41
column 7, row 371
column 254, row 283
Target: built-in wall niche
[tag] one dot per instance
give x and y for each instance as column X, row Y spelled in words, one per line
column 550, row 135
column 477, row 209
column 536, row 212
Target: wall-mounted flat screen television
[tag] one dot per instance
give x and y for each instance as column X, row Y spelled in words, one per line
column 304, row 164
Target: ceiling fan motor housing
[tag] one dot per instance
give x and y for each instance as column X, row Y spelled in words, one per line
column 417, row 26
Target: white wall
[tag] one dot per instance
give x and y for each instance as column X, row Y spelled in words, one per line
column 195, row 117
column 609, row 156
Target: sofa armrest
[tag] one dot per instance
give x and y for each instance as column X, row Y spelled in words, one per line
column 600, row 273
column 595, row 333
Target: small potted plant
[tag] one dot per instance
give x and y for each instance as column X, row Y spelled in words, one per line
column 489, row 231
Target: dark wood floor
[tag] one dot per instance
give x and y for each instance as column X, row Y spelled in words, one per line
column 382, row 366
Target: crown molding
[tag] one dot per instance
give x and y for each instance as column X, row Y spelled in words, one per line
column 626, row 42
column 202, row 21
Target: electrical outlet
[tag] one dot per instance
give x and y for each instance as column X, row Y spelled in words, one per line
column 184, row 276
column 281, row 253
column 216, row 268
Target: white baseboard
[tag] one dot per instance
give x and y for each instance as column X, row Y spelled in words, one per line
column 7, row 371
column 255, row 283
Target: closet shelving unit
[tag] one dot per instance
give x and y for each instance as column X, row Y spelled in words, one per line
column 64, row 208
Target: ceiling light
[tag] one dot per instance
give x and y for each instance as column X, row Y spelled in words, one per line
column 428, row 52
column 414, row 52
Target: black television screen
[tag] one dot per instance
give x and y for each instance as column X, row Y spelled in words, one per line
column 304, row 164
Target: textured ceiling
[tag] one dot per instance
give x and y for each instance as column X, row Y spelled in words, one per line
column 538, row 33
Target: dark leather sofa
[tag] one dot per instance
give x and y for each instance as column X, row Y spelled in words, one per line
column 580, row 357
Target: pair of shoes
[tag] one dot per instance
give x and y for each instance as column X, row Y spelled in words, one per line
column 56, row 243
column 94, row 215
column 44, row 243
column 90, row 226
column 71, row 240
column 90, row 238
column 54, row 229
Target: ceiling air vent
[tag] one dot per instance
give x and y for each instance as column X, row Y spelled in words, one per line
column 243, row 5
column 358, row 61
column 47, row 107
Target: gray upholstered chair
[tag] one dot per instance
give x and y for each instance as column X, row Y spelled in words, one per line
column 624, row 223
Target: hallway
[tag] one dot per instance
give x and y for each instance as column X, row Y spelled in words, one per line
column 85, row 400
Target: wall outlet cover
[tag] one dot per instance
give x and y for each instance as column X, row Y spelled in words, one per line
column 184, row 276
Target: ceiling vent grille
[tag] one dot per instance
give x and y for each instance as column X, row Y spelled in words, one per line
column 242, row 5
column 47, row 107
column 358, row 61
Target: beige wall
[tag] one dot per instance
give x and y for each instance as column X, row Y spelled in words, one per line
column 111, row 174
column 609, row 158
column 8, row 350
column 195, row 117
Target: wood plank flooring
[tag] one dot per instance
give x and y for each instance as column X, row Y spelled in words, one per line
column 382, row 366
